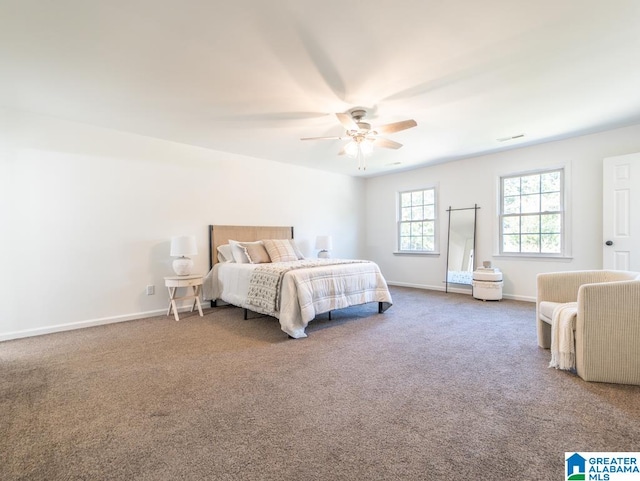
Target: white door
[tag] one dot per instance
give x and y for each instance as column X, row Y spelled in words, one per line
column 620, row 197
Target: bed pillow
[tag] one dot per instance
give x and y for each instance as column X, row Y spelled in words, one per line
column 280, row 250
column 255, row 252
column 225, row 254
column 239, row 255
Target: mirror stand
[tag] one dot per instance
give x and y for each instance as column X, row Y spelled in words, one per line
column 461, row 246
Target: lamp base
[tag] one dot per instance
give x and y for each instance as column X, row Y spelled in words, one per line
column 324, row 255
column 182, row 266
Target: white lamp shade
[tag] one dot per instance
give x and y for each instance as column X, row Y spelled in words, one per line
column 324, row 242
column 351, row 149
column 366, row 147
column 183, row 246
column 358, row 148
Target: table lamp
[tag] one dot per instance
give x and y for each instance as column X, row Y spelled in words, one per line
column 324, row 243
column 181, row 247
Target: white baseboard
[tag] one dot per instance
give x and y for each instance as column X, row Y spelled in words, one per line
column 519, row 298
column 416, row 286
column 7, row 336
column 457, row 290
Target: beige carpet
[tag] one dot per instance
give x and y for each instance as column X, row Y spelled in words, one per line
column 440, row 387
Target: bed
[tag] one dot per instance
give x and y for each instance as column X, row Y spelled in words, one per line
column 292, row 289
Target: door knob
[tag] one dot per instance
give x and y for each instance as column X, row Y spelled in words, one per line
column 609, row 243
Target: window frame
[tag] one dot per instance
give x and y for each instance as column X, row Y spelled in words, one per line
column 565, row 237
column 399, row 223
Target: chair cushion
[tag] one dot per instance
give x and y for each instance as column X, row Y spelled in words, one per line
column 546, row 310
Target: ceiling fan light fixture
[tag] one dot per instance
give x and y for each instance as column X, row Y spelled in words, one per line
column 351, row 149
column 358, row 146
column 362, row 137
column 366, row 146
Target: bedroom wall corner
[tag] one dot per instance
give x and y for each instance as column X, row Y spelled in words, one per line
column 474, row 180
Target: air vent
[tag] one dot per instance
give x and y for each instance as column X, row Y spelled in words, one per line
column 506, row 139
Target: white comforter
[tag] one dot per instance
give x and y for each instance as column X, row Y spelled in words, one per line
column 305, row 293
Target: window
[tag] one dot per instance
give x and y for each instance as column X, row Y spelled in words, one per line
column 417, row 221
column 532, row 213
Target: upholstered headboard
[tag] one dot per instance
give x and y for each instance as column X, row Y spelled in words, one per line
column 220, row 234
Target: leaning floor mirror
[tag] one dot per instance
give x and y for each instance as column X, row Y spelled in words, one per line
column 461, row 246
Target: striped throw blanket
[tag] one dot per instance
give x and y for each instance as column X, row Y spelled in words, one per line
column 265, row 281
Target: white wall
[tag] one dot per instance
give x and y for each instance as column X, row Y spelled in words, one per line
column 474, row 181
column 87, row 215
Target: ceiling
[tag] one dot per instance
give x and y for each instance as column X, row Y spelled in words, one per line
column 252, row 77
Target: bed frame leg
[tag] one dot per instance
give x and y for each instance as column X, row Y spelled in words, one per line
column 214, row 304
column 383, row 306
column 246, row 314
column 329, row 315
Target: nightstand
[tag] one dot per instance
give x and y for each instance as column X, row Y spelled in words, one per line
column 173, row 283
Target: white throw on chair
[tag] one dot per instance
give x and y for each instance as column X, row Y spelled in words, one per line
column 607, row 322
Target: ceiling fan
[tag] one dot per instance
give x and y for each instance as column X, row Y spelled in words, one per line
column 363, row 137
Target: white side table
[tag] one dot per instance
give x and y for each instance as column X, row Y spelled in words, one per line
column 173, row 283
column 487, row 284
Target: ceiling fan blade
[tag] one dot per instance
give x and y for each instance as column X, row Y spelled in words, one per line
column 396, row 126
column 323, row 62
column 386, row 143
column 347, row 121
column 321, row 138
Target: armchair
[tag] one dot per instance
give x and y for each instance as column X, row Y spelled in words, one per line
column 607, row 330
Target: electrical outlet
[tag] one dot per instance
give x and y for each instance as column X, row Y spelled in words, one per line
column 151, row 290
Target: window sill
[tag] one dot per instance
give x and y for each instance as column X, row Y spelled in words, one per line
column 534, row 257
column 416, row 253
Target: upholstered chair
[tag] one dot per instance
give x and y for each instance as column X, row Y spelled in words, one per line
column 607, row 325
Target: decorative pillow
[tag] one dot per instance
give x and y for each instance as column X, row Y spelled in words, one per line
column 225, row 254
column 238, row 252
column 296, row 249
column 255, row 252
column 280, row 250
